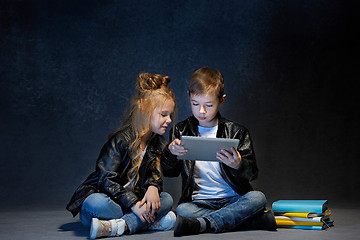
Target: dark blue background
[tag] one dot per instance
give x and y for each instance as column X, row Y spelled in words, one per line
column 68, row 69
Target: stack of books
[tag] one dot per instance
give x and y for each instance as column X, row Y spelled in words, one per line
column 302, row 214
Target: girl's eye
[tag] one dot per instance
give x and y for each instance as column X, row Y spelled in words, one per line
column 195, row 104
column 209, row 105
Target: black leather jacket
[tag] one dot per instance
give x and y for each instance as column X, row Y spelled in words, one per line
column 238, row 179
column 112, row 167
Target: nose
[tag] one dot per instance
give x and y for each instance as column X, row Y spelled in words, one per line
column 202, row 110
column 168, row 120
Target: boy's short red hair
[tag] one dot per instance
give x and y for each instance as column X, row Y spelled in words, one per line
column 207, row 80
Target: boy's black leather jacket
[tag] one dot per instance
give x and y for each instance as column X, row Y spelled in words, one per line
column 238, row 179
column 112, row 167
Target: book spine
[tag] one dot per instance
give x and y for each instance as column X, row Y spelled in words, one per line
column 299, row 219
column 282, row 222
column 303, row 227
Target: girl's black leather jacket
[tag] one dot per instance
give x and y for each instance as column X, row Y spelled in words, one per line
column 238, row 179
column 112, row 167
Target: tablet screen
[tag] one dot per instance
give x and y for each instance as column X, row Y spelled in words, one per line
column 205, row 149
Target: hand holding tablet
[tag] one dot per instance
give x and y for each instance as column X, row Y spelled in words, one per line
column 176, row 148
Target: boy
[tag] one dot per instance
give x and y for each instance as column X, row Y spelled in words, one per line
column 216, row 196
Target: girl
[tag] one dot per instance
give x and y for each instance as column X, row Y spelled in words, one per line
column 126, row 186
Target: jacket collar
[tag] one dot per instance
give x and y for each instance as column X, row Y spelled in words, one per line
column 194, row 123
column 153, row 142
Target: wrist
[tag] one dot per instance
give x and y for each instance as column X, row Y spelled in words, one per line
column 152, row 187
column 134, row 206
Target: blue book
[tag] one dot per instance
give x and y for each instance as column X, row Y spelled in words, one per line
column 313, row 206
column 304, row 227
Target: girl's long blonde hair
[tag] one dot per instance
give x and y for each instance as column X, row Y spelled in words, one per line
column 152, row 91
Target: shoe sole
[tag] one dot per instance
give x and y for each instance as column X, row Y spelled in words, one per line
column 94, row 228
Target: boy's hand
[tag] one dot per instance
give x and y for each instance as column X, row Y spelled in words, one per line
column 176, row 148
column 232, row 159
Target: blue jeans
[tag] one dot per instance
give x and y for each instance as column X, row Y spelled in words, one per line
column 99, row 205
column 225, row 214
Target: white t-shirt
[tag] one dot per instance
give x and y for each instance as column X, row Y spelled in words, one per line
column 209, row 183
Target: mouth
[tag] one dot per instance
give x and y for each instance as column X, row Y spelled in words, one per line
column 202, row 118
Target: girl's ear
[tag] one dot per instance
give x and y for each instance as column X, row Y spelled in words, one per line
column 222, row 99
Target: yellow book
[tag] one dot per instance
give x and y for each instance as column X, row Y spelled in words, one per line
column 294, row 214
column 285, row 221
column 326, row 214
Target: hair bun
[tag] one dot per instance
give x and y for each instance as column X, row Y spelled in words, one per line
column 147, row 81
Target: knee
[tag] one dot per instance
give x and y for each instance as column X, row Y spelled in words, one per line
column 166, row 200
column 90, row 207
column 258, row 198
column 94, row 201
column 184, row 209
column 166, row 197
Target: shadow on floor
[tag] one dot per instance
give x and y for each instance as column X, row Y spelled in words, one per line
column 76, row 227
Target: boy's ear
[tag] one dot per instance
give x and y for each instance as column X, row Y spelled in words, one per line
column 222, row 99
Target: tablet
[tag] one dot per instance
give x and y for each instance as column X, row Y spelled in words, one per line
column 205, row 149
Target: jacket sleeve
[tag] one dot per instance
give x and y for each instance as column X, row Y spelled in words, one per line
column 171, row 166
column 248, row 168
column 111, row 167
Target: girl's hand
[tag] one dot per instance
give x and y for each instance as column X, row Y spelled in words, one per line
column 176, row 148
column 140, row 210
column 232, row 159
column 152, row 201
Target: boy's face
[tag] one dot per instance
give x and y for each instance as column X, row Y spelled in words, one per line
column 161, row 117
column 204, row 107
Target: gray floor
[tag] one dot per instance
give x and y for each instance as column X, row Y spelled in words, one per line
column 58, row 224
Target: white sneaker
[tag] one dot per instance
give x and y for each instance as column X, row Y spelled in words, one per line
column 166, row 223
column 103, row 228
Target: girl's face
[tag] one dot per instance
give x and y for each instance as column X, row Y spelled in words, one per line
column 161, row 117
column 204, row 107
